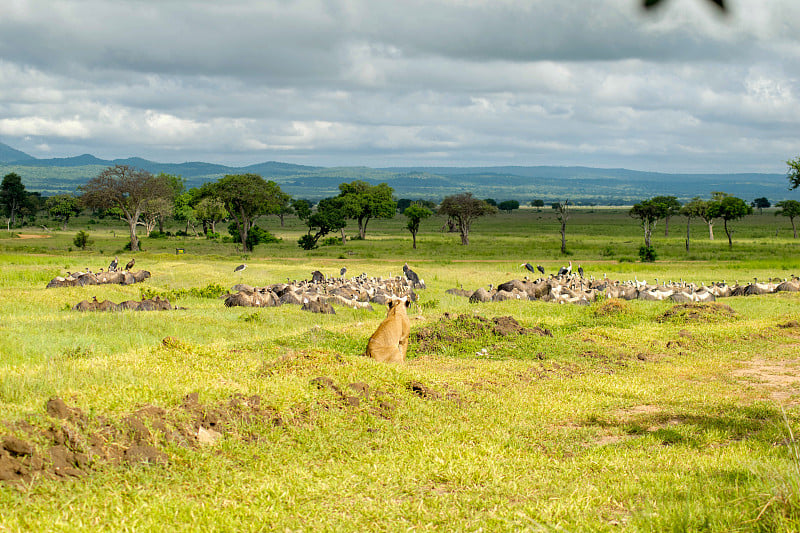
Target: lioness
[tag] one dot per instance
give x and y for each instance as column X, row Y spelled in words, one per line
column 389, row 343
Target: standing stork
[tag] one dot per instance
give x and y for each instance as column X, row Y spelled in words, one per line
column 565, row 271
column 529, row 267
column 580, row 271
column 113, row 266
column 240, row 268
column 540, row 268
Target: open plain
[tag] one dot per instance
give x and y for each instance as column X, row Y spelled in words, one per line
column 627, row 416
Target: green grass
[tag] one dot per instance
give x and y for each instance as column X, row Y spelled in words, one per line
column 616, row 423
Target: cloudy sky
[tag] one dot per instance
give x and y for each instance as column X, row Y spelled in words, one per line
column 405, row 82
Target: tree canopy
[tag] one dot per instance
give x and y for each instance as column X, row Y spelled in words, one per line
column 13, row 196
column 246, row 197
column 127, row 189
column 415, row 213
column 62, row 207
column 362, row 202
column 464, row 209
column 330, row 216
column 793, row 173
column 728, row 208
column 791, row 210
column 649, row 213
column 508, row 205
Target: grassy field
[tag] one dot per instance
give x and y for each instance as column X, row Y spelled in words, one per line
column 623, row 420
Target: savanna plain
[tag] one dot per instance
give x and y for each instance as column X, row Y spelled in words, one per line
column 627, row 418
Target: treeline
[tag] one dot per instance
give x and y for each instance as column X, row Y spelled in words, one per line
column 142, row 199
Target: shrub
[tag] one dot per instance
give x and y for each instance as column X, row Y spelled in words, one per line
column 307, row 242
column 82, row 240
column 155, row 234
column 331, row 241
column 647, row 254
column 607, row 251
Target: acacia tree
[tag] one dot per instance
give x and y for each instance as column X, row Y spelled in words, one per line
column 693, row 209
column 62, row 207
column 728, row 208
column 362, row 201
column 790, row 209
column 246, row 197
column 562, row 210
column 415, row 213
column 670, row 206
column 508, row 205
column 13, row 197
column 464, row 209
column 329, row 217
column 761, row 204
column 209, row 211
column 128, row 190
column 649, row 213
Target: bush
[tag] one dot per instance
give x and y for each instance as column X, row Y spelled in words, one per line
column 607, row 251
column 331, row 241
column 213, row 236
column 647, row 254
column 155, row 234
column 307, row 242
column 82, row 240
column 257, row 235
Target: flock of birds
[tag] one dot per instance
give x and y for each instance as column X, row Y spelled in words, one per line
column 568, row 287
column 319, row 293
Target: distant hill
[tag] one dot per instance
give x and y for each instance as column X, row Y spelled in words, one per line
column 9, row 155
column 583, row 185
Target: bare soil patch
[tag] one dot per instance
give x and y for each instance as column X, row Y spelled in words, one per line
column 781, row 378
column 698, row 312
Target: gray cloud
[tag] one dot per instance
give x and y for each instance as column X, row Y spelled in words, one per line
column 380, row 82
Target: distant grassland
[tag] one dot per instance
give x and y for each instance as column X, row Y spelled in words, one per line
column 621, row 421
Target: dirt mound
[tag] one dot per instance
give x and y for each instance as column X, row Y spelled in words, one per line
column 75, row 444
column 451, row 330
column 698, row 312
column 613, row 307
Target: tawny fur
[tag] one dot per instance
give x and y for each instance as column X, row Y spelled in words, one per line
column 389, row 343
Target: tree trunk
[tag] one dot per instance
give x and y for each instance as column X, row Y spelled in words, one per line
column 563, row 237
column 464, row 229
column 243, row 227
column 710, row 230
column 161, row 224
column 280, row 216
column 134, row 238
column 648, row 232
column 213, row 226
column 688, row 222
column 728, row 233
column 794, row 230
column 414, row 240
column 344, row 237
column 666, row 226
column 64, row 225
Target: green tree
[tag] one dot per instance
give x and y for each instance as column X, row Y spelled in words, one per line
column 330, row 216
column 728, row 208
column 415, row 214
column 491, row 201
column 362, row 202
column 790, row 209
column 209, row 211
column 538, row 204
column 508, row 205
column 246, row 197
column 13, row 197
column 761, row 204
column 649, row 213
column 82, row 240
column 127, row 189
column 562, row 210
column 670, row 206
column 62, row 207
column 464, row 209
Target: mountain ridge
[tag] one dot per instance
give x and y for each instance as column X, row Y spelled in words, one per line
column 611, row 186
